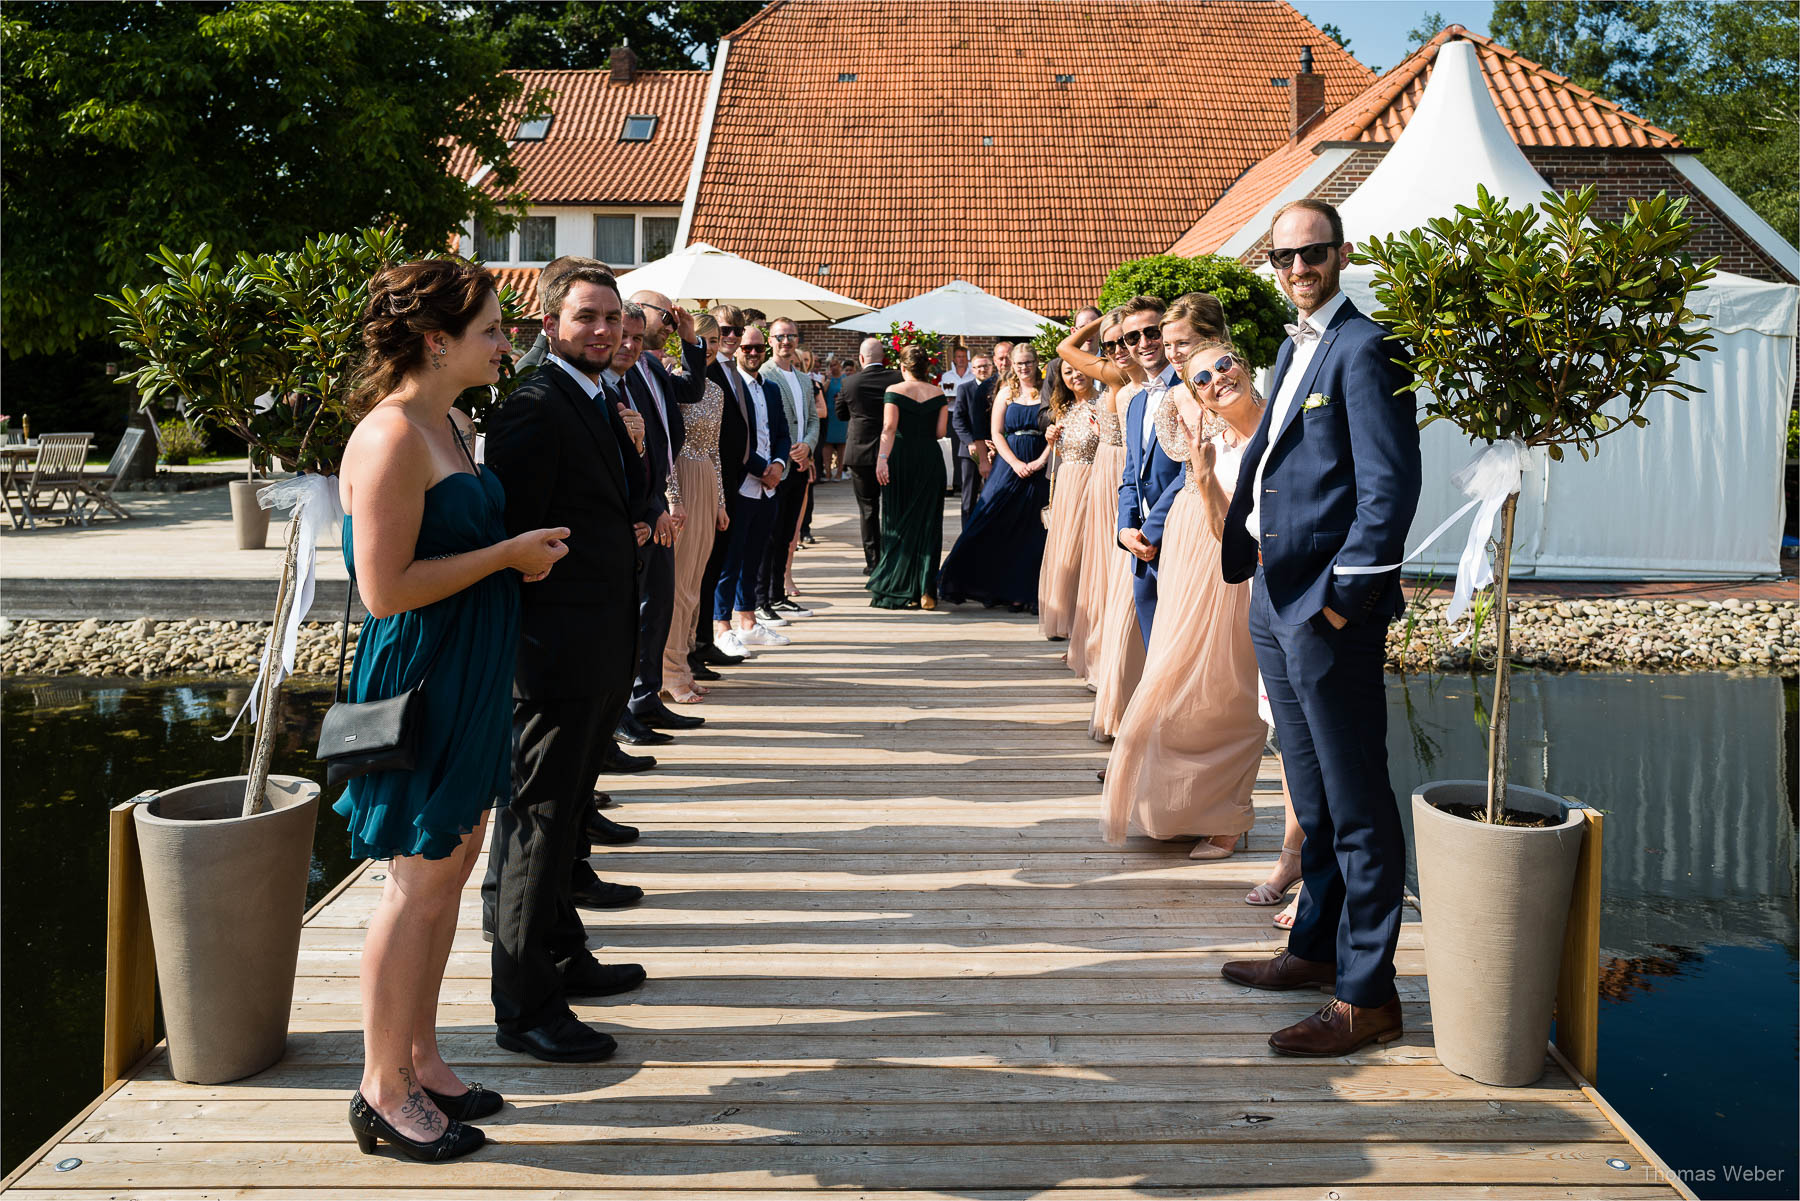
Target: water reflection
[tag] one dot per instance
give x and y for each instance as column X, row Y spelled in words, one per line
column 1699, row 1045
column 73, row 749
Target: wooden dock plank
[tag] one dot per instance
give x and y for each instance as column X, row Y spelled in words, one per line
column 890, row 957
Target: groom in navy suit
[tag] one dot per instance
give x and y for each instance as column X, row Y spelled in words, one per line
column 1324, row 498
column 1152, row 479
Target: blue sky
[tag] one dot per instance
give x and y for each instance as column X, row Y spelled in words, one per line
column 1377, row 28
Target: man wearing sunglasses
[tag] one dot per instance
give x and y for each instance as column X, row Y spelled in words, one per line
column 1324, row 497
column 1151, row 480
column 734, row 427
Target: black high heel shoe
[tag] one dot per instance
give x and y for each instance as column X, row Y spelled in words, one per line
column 370, row 1127
column 471, row 1106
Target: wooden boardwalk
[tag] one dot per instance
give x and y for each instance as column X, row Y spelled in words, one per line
column 888, row 955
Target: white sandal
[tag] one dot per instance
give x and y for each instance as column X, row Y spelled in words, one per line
column 1266, row 893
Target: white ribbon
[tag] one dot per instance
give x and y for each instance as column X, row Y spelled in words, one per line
column 315, row 504
column 1487, row 479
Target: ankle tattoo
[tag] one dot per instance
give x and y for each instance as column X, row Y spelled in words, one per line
column 418, row 1108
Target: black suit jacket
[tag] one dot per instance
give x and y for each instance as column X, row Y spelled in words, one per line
column 859, row 403
column 566, row 460
column 734, row 425
column 655, row 459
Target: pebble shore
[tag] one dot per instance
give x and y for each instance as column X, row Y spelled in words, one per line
column 1557, row 635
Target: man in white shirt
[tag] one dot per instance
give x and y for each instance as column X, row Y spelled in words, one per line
column 783, row 369
column 751, row 503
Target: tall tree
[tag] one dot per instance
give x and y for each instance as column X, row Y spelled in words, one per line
column 245, row 125
column 1722, row 77
column 575, row 34
column 1431, row 23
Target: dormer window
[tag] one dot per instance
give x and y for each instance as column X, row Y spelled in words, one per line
column 846, row 76
column 638, row 128
column 533, row 129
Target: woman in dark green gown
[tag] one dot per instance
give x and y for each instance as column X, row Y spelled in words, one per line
column 910, row 469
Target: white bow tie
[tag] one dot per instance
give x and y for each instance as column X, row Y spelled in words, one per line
column 1302, row 333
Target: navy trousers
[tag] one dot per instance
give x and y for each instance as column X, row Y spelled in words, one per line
column 1143, row 595
column 1326, row 691
column 751, row 523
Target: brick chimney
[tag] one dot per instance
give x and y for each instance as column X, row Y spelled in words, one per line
column 624, row 64
column 1306, row 97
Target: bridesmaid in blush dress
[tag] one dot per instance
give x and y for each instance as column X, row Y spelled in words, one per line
column 1076, row 436
column 1186, row 756
column 1104, row 563
column 696, row 477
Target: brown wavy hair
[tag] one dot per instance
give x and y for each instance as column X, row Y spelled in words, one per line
column 915, row 360
column 406, row 302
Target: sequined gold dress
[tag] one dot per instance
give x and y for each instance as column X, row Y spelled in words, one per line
column 697, row 476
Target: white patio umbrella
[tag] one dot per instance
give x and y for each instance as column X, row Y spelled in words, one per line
column 702, row 275
column 959, row 307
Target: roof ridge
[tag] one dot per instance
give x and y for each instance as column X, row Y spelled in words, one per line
column 1563, row 81
column 638, row 74
column 755, row 18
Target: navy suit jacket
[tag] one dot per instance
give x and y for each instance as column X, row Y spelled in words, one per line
column 1342, row 482
column 1151, row 481
column 969, row 420
column 780, row 440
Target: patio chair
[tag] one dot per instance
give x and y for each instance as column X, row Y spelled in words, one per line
column 97, row 489
column 55, row 472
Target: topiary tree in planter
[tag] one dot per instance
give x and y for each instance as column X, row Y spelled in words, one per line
column 1528, row 327
column 1253, row 304
column 1538, row 326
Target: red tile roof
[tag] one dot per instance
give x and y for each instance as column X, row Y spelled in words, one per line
column 887, row 179
column 581, row 160
column 1540, row 108
column 523, row 281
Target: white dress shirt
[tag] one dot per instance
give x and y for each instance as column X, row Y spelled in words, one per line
column 1284, row 402
column 954, row 379
column 1156, row 387
column 589, row 386
column 752, row 486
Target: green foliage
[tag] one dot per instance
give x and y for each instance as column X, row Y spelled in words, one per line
column 900, row 336
column 1330, row 30
column 1722, row 77
column 1523, row 323
column 180, row 441
column 533, row 35
column 237, row 125
column 1255, row 308
column 1047, row 339
column 1431, row 23
column 222, row 335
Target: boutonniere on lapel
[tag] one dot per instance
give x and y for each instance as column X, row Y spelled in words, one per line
column 1317, row 400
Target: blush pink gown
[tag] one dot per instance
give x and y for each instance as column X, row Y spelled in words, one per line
column 1102, row 558
column 1059, row 577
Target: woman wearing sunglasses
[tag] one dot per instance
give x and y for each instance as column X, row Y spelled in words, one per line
column 1189, row 746
column 1103, row 594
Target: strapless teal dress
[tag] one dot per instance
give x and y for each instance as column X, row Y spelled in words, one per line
column 465, row 751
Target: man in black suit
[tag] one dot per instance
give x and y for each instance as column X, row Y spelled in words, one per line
column 658, row 395
column 972, row 417
column 563, row 445
column 859, row 403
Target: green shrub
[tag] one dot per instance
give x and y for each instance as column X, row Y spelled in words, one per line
column 1254, row 307
column 180, row 442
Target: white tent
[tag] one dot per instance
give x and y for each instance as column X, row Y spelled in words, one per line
column 1696, row 495
column 705, row 275
column 959, row 307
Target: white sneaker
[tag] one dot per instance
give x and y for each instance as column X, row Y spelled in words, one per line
column 731, row 645
column 760, row 635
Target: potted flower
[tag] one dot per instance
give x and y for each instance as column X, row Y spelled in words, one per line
column 901, row 335
column 264, row 346
column 1533, row 327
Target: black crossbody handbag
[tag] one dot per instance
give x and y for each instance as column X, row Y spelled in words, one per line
column 359, row 737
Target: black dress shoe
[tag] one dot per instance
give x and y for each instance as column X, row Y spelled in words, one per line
column 658, row 716
column 601, row 895
column 604, row 800
column 713, row 656
column 602, row 829
column 700, row 671
column 562, row 1039
column 476, row 1103
column 637, row 733
column 370, row 1127
column 624, row 763
column 588, row 978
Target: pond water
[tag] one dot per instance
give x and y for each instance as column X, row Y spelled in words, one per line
column 1700, row 1046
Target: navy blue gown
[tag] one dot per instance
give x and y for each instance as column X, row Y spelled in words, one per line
column 997, row 559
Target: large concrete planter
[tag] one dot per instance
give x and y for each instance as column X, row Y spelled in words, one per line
column 1495, row 900
column 249, row 520
column 226, row 895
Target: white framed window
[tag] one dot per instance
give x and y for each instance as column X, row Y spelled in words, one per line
column 659, row 237
column 537, row 239
column 624, row 239
column 492, row 247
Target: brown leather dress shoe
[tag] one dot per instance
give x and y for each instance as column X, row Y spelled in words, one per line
column 1339, row 1029
column 1284, row 972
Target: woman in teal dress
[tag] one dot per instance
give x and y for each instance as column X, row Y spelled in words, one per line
column 910, row 469
column 425, row 542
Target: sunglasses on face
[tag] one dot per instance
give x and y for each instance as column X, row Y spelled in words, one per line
column 731, row 331
column 1135, row 336
column 786, row 337
column 1311, row 255
column 754, row 349
column 1204, row 377
column 1107, row 347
